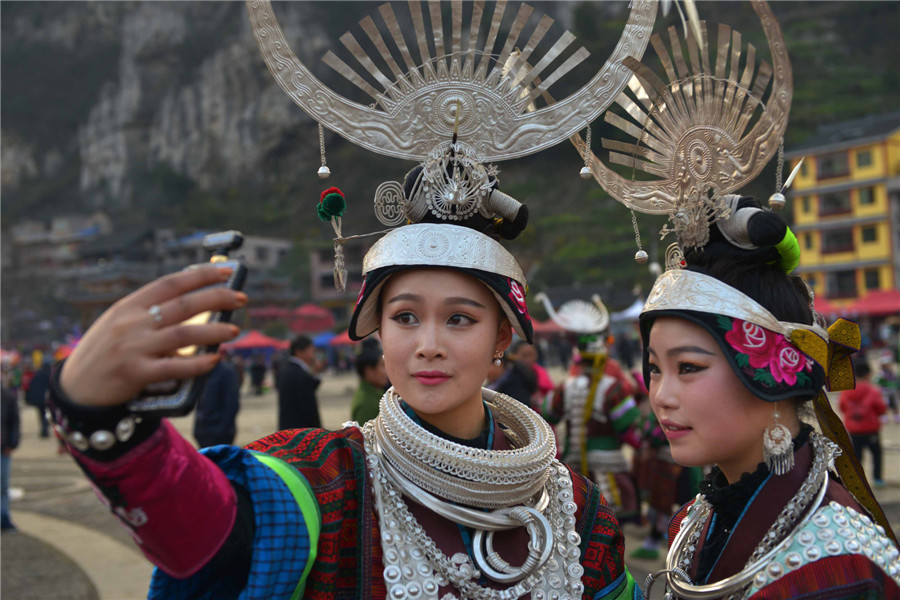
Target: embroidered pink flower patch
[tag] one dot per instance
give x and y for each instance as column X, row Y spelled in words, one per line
column 787, row 362
column 757, row 343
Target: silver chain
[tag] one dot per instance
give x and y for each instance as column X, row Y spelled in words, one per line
column 637, row 231
column 780, row 169
column 322, row 143
column 588, row 155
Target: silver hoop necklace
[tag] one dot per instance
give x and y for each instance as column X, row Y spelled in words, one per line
column 414, row 566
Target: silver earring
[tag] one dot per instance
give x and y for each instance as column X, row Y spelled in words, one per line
column 778, row 447
column 497, row 357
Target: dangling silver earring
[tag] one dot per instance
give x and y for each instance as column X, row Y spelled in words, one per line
column 778, row 447
column 497, row 357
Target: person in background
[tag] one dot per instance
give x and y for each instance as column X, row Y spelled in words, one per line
column 596, row 401
column 862, row 409
column 889, row 383
column 373, row 380
column 258, row 373
column 298, row 379
column 9, row 441
column 520, row 381
column 216, row 419
column 36, row 396
column 237, row 361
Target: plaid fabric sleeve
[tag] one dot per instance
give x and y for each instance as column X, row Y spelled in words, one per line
column 282, row 544
column 602, row 546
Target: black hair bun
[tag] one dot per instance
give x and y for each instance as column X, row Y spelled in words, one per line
column 765, row 227
column 750, row 235
column 510, row 229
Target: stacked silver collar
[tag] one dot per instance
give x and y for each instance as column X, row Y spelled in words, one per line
column 525, row 486
column 470, row 476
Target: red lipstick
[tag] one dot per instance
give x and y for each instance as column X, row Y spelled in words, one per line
column 431, row 377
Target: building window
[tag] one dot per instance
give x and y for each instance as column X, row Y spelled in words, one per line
column 841, row 284
column 864, row 158
column 262, row 253
column 835, row 203
column 866, row 196
column 803, row 170
column 808, row 239
column 832, row 165
column 326, row 280
column 870, row 234
column 873, row 282
column 837, row 240
column 806, row 204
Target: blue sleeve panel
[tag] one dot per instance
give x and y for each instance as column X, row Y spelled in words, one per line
column 282, row 542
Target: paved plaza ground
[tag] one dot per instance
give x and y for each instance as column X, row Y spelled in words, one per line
column 69, row 547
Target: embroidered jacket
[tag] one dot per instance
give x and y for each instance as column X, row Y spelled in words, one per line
column 315, row 531
column 838, row 554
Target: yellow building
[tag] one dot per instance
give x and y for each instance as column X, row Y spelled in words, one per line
column 846, row 207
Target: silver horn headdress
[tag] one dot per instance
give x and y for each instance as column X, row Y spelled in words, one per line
column 469, row 101
column 696, row 135
column 460, row 86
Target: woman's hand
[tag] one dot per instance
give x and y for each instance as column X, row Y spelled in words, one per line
column 130, row 346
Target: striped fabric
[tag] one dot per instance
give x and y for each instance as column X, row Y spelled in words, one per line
column 280, row 547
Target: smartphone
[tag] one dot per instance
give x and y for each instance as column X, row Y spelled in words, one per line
column 178, row 397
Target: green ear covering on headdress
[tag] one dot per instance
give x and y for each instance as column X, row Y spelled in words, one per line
column 789, row 250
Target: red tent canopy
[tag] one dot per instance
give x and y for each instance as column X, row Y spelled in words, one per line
column 311, row 318
column 342, row 339
column 311, row 310
column 548, row 326
column 878, row 303
column 255, row 339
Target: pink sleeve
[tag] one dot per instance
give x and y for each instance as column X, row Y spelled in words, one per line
column 178, row 506
column 545, row 383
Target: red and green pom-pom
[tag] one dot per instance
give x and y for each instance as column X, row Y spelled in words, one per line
column 331, row 204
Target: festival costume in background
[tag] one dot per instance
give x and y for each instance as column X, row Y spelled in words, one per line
column 596, row 402
column 601, row 432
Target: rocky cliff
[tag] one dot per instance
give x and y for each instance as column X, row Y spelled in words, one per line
column 185, row 87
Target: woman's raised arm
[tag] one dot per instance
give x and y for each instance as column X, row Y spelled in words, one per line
column 133, row 344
